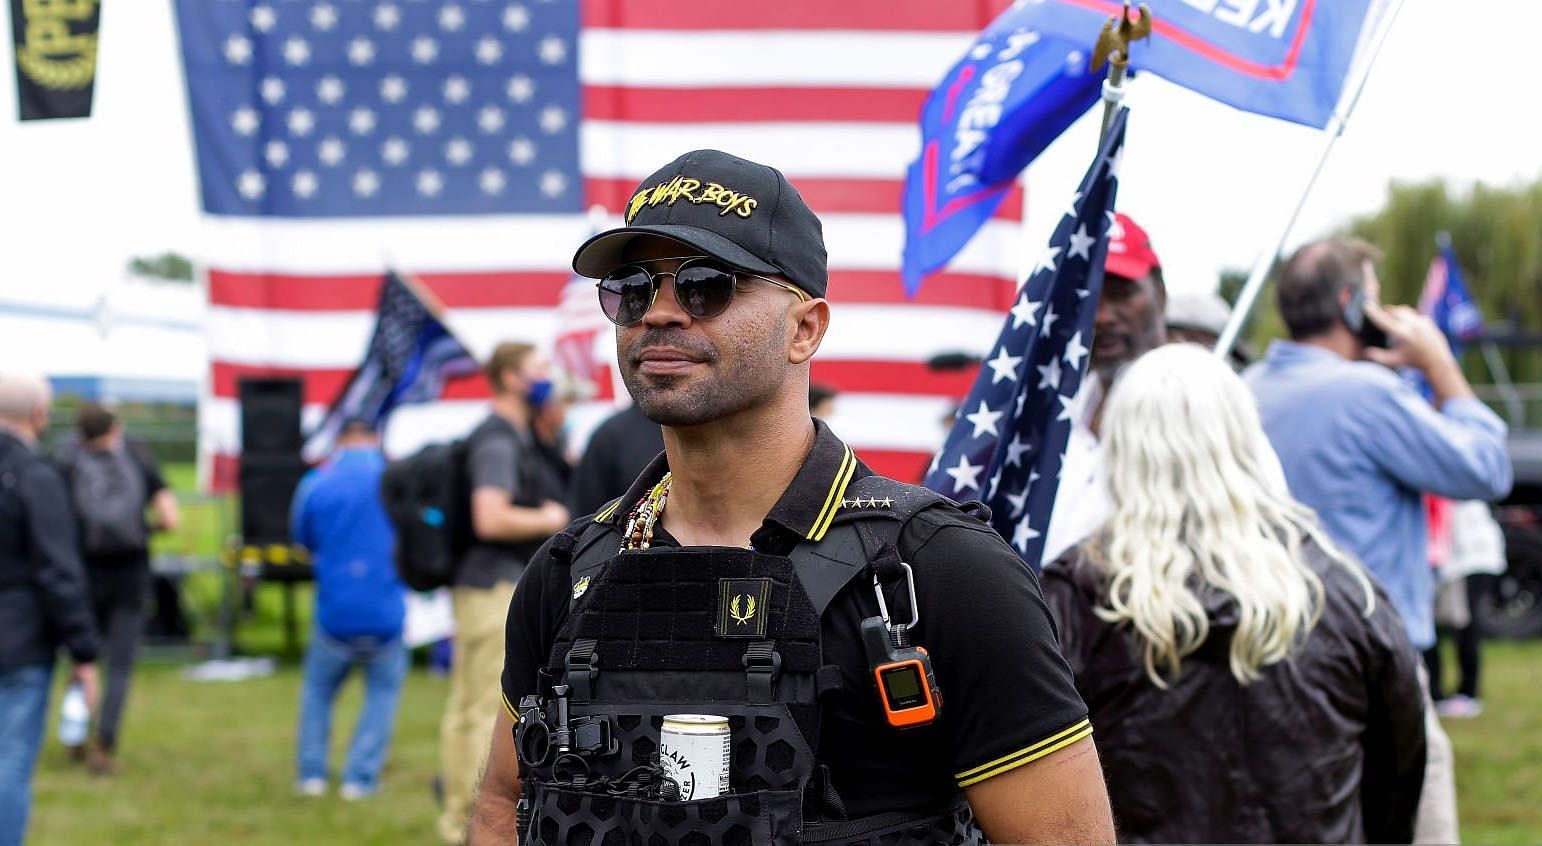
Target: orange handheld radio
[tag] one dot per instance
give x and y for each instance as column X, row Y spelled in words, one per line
column 907, row 688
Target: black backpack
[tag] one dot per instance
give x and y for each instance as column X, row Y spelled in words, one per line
column 108, row 490
column 428, row 498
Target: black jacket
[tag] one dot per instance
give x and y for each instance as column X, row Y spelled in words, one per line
column 1326, row 747
column 43, row 598
column 617, row 452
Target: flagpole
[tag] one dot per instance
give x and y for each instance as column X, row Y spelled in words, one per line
column 1260, row 272
column 1113, row 46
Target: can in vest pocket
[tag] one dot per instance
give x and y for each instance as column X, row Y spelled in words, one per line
column 695, row 752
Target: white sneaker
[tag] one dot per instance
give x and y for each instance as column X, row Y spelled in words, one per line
column 355, row 792
column 311, row 787
column 1459, row 707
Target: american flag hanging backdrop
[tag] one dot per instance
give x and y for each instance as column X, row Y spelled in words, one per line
column 463, row 140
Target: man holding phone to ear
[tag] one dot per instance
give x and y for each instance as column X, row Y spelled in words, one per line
column 1360, row 445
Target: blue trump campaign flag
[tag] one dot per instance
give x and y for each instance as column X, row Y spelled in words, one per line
column 1013, row 93
column 1282, row 58
column 410, row 357
column 1446, row 300
column 1025, row 81
column 1008, row 441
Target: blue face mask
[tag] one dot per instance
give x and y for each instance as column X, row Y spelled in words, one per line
column 540, row 392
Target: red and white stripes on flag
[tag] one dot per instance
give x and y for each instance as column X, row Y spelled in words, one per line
column 829, row 92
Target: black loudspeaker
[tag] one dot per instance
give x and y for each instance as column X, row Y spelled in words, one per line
column 267, row 488
column 271, row 465
column 270, row 416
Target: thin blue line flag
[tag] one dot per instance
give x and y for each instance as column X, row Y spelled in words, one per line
column 410, row 357
column 1008, row 440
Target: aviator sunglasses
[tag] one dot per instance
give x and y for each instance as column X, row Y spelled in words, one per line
column 704, row 287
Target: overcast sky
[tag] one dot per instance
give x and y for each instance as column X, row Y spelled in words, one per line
column 1452, row 95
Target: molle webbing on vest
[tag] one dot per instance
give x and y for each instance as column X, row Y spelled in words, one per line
column 654, row 610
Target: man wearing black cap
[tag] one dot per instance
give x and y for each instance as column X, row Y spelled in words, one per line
column 758, row 573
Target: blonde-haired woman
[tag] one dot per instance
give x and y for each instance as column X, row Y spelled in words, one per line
column 1247, row 682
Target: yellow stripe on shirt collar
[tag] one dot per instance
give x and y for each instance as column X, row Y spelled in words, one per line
column 843, row 474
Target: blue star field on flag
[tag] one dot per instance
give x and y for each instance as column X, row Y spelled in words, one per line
column 1008, row 440
column 317, row 108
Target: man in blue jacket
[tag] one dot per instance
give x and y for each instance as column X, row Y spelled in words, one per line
column 1360, row 445
column 360, row 604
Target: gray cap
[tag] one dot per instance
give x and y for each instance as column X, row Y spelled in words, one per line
column 1201, row 310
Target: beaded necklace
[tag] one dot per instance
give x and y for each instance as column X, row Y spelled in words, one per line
column 644, row 516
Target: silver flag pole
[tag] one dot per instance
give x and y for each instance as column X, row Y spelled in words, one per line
column 1260, row 272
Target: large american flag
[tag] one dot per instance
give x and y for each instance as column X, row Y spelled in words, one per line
column 464, row 141
column 1007, row 446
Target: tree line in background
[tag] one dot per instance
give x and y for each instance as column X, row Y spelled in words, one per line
column 1497, row 235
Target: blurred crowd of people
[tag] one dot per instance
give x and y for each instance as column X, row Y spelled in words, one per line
column 1244, row 568
column 74, row 574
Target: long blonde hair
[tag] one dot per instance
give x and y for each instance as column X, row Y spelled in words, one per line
column 1199, row 500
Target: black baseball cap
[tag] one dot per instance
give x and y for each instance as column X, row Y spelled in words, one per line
column 742, row 212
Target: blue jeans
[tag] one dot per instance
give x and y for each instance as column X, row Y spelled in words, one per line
column 327, row 662
column 23, row 712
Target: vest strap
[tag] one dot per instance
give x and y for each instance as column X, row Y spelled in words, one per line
column 762, row 665
column 582, row 668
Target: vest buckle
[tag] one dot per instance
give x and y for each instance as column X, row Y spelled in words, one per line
column 581, row 668
column 762, row 665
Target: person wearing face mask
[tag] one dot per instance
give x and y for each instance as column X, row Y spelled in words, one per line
column 514, row 508
column 550, row 426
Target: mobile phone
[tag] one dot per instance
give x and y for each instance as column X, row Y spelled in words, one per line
column 1364, row 328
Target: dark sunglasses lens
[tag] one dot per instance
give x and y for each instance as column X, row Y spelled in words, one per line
column 625, row 295
column 704, row 289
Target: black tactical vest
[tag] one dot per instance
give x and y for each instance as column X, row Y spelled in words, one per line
column 720, row 631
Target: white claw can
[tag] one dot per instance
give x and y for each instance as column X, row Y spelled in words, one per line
column 695, row 751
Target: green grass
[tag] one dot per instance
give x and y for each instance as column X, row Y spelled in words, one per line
column 1499, row 754
column 213, row 763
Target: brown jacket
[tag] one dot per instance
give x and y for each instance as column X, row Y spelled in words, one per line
column 1326, row 747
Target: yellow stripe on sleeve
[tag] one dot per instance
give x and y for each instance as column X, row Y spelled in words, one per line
column 1027, row 754
column 513, row 714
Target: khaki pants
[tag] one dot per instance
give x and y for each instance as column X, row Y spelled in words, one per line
column 1437, row 819
column 475, row 697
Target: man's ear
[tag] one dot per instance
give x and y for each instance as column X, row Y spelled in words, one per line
column 809, row 322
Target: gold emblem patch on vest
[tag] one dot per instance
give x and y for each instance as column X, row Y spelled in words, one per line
column 742, row 607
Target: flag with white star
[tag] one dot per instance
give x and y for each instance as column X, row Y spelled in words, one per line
column 468, row 143
column 338, row 107
column 1008, row 439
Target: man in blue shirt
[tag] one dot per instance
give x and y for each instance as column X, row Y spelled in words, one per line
column 1360, row 445
column 360, row 605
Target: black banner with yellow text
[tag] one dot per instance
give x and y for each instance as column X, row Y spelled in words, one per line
column 55, row 43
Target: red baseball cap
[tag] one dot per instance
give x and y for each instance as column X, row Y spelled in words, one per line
column 1129, row 249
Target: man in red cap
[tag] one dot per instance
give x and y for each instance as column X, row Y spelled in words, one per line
column 1129, row 323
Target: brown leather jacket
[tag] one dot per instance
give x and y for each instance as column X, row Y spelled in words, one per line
column 1326, row 747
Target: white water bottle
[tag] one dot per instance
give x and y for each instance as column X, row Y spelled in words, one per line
column 74, row 717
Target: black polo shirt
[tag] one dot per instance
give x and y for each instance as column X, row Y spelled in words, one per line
column 1008, row 695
